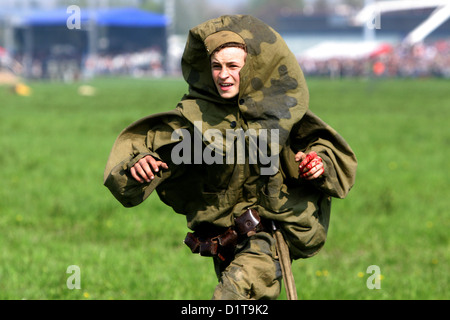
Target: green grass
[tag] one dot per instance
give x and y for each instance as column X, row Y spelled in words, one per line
column 55, row 212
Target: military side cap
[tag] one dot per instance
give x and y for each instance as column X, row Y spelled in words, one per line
column 215, row 40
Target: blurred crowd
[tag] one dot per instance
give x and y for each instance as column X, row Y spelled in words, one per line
column 148, row 62
column 423, row 60
column 66, row 66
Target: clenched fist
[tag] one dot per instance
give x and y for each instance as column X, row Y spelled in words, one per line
column 311, row 166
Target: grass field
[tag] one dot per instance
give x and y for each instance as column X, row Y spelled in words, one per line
column 55, row 212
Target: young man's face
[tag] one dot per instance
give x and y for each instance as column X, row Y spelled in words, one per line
column 225, row 67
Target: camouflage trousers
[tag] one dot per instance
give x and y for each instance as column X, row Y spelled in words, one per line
column 254, row 273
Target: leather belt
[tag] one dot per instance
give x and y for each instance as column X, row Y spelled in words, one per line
column 223, row 245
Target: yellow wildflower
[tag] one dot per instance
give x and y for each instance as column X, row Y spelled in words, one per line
column 22, row 90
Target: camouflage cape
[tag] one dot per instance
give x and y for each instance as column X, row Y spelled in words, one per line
column 273, row 95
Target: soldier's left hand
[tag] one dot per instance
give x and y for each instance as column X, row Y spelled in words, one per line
column 311, row 166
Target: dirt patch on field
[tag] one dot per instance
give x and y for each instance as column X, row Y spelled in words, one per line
column 7, row 78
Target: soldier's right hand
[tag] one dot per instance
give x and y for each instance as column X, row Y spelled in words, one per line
column 144, row 170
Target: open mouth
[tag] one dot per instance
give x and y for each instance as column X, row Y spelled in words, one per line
column 225, row 86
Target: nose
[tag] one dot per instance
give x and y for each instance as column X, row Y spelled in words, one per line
column 223, row 74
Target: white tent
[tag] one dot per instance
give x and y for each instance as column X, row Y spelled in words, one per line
column 437, row 18
column 345, row 50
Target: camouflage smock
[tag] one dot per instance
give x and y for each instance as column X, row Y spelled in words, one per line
column 273, row 95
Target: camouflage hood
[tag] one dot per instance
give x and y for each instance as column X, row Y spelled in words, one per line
column 273, row 93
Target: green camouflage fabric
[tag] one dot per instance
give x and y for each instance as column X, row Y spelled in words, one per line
column 273, row 95
column 261, row 277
